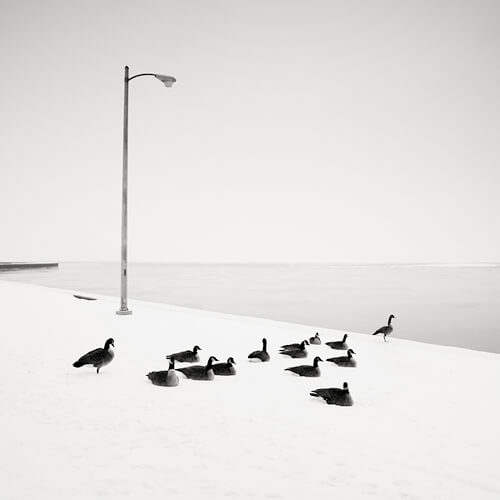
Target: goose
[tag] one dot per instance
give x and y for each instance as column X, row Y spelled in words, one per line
column 98, row 357
column 260, row 355
column 165, row 378
column 348, row 360
column 186, row 356
column 297, row 345
column 300, row 352
column 338, row 344
column 386, row 330
column 315, row 340
column 225, row 368
column 200, row 372
column 334, row 395
column 307, row 370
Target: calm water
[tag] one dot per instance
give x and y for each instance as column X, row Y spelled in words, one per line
column 457, row 306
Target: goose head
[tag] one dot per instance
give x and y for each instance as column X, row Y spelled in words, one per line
column 196, row 349
column 350, row 352
column 264, row 344
column 344, row 338
column 211, row 359
column 231, row 361
column 391, row 317
column 345, row 387
column 108, row 343
column 316, row 360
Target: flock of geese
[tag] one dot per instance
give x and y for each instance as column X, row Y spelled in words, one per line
column 168, row 378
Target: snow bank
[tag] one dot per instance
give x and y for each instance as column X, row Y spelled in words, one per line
column 423, row 424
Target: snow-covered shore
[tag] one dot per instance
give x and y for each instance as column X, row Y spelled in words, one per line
column 423, row 424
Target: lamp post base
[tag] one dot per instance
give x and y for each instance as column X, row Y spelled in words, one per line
column 124, row 312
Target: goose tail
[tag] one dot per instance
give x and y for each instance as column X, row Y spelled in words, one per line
column 77, row 364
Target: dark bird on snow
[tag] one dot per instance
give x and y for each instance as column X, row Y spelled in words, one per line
column 225, row 368
column 165, row 378
column 307, row 370
column 315, row 340
column 186, row 356
column 338, row 344
column 299, row 352
column 98, row 357
column 347, row 361
column 200, row 372
column 334, row 395
column 386, row 330
column 262, row 355
column 298, row 345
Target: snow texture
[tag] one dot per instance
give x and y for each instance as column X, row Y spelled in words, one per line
column 423, row 425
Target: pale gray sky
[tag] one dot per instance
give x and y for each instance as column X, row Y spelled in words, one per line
column 338, row 131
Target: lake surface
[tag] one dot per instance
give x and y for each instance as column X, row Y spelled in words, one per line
column 447, row 305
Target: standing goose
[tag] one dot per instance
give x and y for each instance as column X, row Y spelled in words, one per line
column 307, row 370
column 298, row 345
column 262, row 355
column 165, row 378
column 300, row 352
column 339, row 344
column 200, row 372
column 386, row 330
column 315, row 340
column 98, row 357
column 186, row 356
column 225, row 368
column 334, row 395
column 347, row 361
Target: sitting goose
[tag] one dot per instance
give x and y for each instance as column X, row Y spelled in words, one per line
column 165, row 378
column 315, row 340
column 300, row 352
column 98, row 357
column 334, row 395
column 297, row 345
column 225, row 368
column 200, row 372
column 186, row 356
column 348, row 360
column 386, row 330
column 260, row 355
column 307, row 370
column 338, row 344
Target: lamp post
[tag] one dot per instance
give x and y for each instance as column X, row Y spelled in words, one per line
column 168, row 81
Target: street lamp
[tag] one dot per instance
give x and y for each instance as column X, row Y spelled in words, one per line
column 168, row 81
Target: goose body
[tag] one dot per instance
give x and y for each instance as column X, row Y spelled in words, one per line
column 315, row 340
column 347, row 361
column 299, row 352
column 334, row 395
column 186, row 356
column 298, row 345
column 98, row 357
column 338, row 344
column 165, row 378
column 387, row 329
column 262, row 355
column 200, row 372
column 307, row 370
column 225, row 368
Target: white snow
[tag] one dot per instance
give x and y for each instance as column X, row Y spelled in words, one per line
column 424, row 422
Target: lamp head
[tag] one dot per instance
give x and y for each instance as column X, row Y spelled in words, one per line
column 168, row 81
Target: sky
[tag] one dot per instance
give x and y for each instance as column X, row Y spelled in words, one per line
column 297, row 131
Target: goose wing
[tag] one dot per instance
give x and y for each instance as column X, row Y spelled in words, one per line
column 94, row 357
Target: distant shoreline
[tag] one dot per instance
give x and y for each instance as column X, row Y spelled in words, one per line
column 9, row 266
